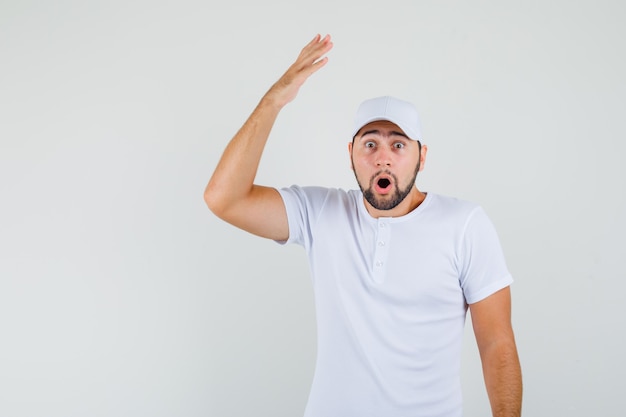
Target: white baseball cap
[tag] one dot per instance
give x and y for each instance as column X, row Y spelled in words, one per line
column 399, row 112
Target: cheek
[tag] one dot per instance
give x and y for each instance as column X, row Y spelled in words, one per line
column 364, row 166
column 364, row 158
column 357, row 160
column 360, row 170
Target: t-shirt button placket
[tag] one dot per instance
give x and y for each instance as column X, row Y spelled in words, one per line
column 380, row 255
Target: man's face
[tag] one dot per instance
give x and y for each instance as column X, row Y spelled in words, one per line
column 385, row 162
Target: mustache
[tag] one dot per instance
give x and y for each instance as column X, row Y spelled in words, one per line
column 385, row 172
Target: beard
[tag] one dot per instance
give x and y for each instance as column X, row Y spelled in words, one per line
column 390, row 200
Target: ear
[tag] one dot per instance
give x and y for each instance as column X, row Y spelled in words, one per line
column 423, row 157
column 350, row 155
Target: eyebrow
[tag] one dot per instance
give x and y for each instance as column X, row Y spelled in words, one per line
column 377, row 132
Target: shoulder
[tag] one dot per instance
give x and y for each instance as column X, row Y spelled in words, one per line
column 448, row 206
column 463, row 217
column 314, row 192
column 317, row 196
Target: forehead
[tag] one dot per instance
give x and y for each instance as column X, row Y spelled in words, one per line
column 381, row 127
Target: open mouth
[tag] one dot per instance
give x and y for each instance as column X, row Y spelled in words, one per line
column 383, row 183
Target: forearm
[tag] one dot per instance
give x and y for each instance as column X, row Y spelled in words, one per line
column 503, row 378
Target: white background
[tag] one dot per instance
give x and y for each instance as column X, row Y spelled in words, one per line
column 122, row 295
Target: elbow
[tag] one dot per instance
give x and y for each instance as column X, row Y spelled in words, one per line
column 213, row 200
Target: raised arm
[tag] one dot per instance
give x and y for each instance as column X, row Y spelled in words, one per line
column 231, row 192
column 491, row 320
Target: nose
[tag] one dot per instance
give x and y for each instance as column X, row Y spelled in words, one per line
column 383, row 158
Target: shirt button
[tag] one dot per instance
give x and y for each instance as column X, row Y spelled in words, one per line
column 382, row 225
column 379, row 263
column 381, row 243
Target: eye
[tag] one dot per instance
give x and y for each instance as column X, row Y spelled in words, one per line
column 370, row 144
column 398, row 145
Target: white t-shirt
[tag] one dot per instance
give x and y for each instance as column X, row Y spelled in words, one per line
column 391, row 297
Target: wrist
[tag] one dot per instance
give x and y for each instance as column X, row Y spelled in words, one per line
column 272, row 101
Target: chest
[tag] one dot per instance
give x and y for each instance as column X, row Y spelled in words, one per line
column 404, row 262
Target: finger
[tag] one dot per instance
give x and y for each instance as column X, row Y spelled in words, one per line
column 315, row 40
column 310, row 60
column 314, row 51
column 314, row 66
column 319, row 64
column 315, row 43
column 322, row 43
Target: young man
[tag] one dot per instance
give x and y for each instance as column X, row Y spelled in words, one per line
column 394, row 268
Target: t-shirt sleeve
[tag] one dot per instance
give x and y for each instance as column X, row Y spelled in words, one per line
column 483, row 266
column 303, row 205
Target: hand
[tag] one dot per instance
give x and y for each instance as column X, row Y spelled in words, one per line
column 310, row 60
